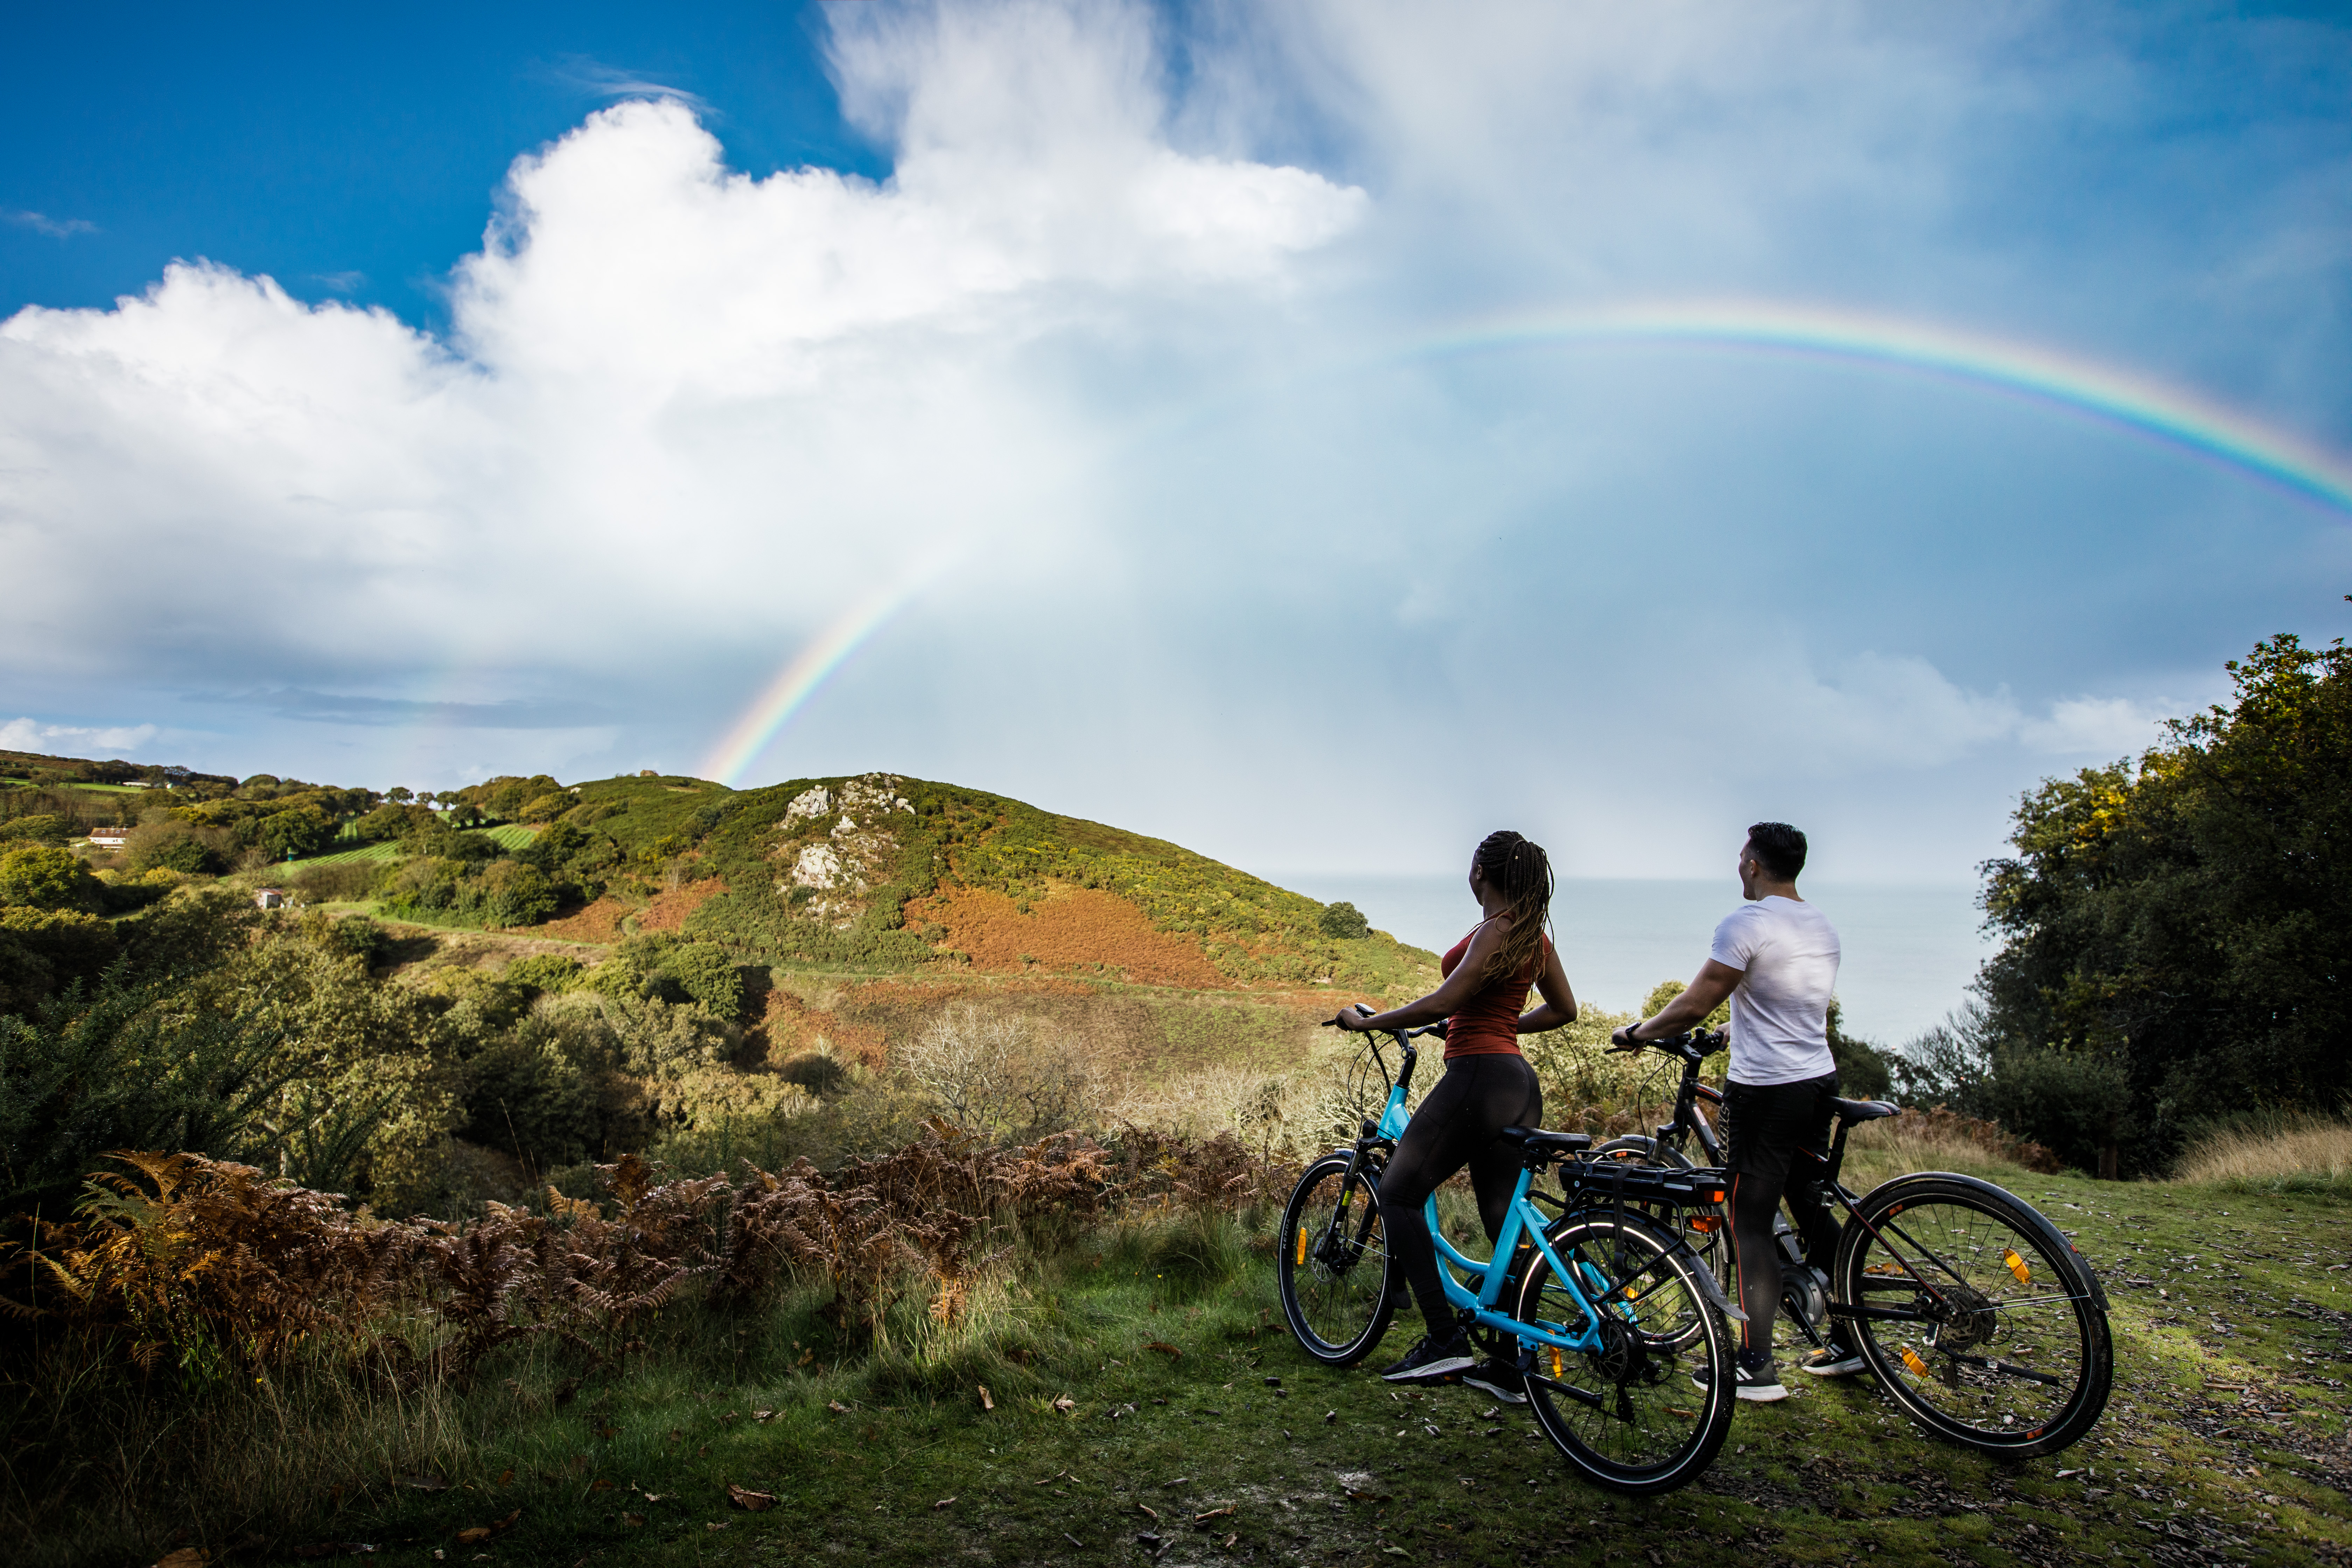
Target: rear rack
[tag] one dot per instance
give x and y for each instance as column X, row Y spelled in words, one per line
column 1619, row 1181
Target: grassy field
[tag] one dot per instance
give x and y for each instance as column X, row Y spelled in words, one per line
column 365, row 852
column 1148, row 1405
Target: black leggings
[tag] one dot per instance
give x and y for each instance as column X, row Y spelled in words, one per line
column 1456, row 1125
column 1765, row 1129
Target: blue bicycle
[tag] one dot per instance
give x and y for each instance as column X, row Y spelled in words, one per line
column 1605, row 1309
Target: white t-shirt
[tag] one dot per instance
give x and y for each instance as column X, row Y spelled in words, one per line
column 1787, row 953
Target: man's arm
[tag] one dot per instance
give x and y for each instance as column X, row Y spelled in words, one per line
column 1705, row 994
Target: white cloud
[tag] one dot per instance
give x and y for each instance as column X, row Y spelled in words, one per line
column 2106, row 727
column 673, row 394
column 73, row 740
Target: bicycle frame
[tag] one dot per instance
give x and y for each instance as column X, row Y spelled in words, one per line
column 1523, row 1217
column 1688, row 1118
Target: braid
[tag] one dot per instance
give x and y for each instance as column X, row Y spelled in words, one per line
column 1519, row 870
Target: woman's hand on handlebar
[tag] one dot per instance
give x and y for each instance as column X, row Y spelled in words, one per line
column 1350, row 1018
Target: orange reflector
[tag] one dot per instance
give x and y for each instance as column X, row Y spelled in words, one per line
column 2017, row 1267
column 1911, row 1358
column 1705, row 1222
column 1557, row 1370
column 1302, row 1246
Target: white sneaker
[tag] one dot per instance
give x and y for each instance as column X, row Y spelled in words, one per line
column 1832, row 1360
column 1758, row 1385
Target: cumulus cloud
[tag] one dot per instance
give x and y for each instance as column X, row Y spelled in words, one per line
column 657, row 366
column 70, row 740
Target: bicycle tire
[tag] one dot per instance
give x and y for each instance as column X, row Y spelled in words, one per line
column 2002, row 1276
column 1586, row 1403
column 1339, row 1288
column 1644, row 1150
column 1704, row 1238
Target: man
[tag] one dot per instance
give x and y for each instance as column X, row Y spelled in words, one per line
column 1776, row 957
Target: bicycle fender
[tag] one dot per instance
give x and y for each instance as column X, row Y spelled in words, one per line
column 1710, row 1284
column 2051, row 1236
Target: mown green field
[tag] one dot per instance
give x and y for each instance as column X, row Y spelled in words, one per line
column 364, row 852
column 1196, row 1432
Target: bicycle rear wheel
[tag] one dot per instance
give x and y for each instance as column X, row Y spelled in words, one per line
column 1334, row 1265
column 1626, row 1413
column 2011, row 1350
column 1703, row 1228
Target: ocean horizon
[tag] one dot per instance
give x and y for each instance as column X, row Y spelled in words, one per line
column 1909, row 952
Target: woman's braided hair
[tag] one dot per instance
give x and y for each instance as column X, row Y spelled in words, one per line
column 1519, row 870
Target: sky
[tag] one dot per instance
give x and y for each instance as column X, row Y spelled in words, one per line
column 1315, row 434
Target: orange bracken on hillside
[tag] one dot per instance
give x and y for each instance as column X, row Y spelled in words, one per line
column 668, row 912
column 1068, row 929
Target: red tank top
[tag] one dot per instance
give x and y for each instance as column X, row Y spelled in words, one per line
column 1488, row 1024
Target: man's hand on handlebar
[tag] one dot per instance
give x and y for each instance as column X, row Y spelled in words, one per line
column 1621, row 1039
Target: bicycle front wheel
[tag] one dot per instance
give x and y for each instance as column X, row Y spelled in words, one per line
column 2004, row 1343
column 1646, row 1408
column 1333, row 1264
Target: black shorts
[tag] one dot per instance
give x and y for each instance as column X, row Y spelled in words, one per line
column 1764, row 1125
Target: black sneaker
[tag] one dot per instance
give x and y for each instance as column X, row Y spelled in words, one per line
column 1832, row 1360
column 1430, row 1360
column 1760, row 1380
column 1499, row 1378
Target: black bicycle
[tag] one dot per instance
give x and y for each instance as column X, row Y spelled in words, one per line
column 1977, row 1316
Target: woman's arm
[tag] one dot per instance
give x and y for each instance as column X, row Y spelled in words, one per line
column 1447, row 999
column 1559, row 1002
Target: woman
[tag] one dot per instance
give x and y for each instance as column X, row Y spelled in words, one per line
column 1487, row 1086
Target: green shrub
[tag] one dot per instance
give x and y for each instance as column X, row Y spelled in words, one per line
column 2077, row 1102
column 42, row 827
column 343, row 882
column 548, row 973
column 44, row 877
column 510, row 893
column 171, row 845
column 707, row 974
column 45, row 951
column 1343, row 922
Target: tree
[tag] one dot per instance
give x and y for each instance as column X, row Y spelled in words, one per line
column 399, row 794
column 291, row 834
column 2183, row 927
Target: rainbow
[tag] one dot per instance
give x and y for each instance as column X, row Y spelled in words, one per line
column 2180, row 419
column 2185, row 420
column 806, row 673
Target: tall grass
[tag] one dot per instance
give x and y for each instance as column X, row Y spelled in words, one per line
column 2289, row 1154
column 1881, row 1151
column 102, row 1469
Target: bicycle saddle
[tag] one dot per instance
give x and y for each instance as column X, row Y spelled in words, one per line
column 1534, row 1138
column 1865, row 1109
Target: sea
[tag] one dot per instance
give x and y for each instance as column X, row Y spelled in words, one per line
column 1909, row 952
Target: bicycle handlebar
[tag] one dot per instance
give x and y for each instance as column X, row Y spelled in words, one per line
column 1709, row 1040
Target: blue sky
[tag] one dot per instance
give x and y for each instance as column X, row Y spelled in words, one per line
column 521, row 389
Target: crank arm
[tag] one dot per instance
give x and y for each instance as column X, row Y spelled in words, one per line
column 1581, row 1395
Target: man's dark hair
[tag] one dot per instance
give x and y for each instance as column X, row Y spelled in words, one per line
column 1779, row 847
